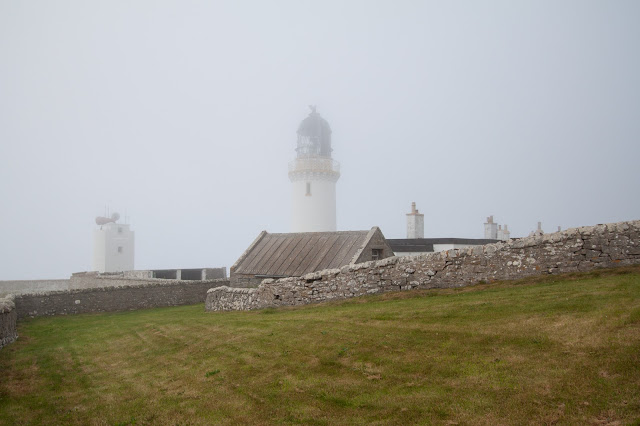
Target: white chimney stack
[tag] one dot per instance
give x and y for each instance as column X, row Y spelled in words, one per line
column 415, row 223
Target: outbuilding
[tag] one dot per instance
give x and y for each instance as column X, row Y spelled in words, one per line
column 295, row 254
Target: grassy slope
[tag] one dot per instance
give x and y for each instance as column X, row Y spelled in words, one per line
column 538, row 351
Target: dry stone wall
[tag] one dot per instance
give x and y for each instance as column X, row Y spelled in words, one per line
column 576, row 249
column 8, row 317
column 92, row 279
column 31, row 286
column 232, row 299
column 130, row 295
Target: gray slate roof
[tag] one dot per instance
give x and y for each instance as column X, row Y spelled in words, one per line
column 295, row 254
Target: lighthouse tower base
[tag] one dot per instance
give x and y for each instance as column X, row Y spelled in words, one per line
column 313, row 206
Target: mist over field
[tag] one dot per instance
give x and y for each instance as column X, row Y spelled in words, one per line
column 182, row 117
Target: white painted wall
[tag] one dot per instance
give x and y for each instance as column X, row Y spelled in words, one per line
column 408, row 253
column 436, row 248
column 491, row 231
column 316, row 211
column 415, row 226
column 113, row 248
column 443, row 247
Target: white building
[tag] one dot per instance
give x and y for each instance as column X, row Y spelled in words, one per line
column 113, row 246
column 313, row 175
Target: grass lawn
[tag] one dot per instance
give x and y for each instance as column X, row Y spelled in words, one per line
column 539, row 351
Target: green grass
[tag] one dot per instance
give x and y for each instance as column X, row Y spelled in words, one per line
column 540, row 351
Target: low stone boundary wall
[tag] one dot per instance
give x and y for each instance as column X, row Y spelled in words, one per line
column 131, row 295
column 31, row 286
column 8, row 317
column 93, row 279
column 576, row 249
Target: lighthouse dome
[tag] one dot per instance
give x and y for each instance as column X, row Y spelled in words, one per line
column 314, row 136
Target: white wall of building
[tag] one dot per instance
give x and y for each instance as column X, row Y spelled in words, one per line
column 436, row 248
column 407, row 253
column 443, row 247
column 113, row 248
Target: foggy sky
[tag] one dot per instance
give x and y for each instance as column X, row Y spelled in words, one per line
column 182, row 115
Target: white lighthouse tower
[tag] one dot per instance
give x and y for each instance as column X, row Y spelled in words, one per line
column 313, row 175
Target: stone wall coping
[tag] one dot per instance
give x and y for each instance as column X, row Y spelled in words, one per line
column 35, row 281
column 130, row 278
column 7, row 304
column 135, row 282
column 226, row 289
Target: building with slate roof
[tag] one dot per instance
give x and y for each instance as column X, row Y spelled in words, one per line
column 296, row 254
